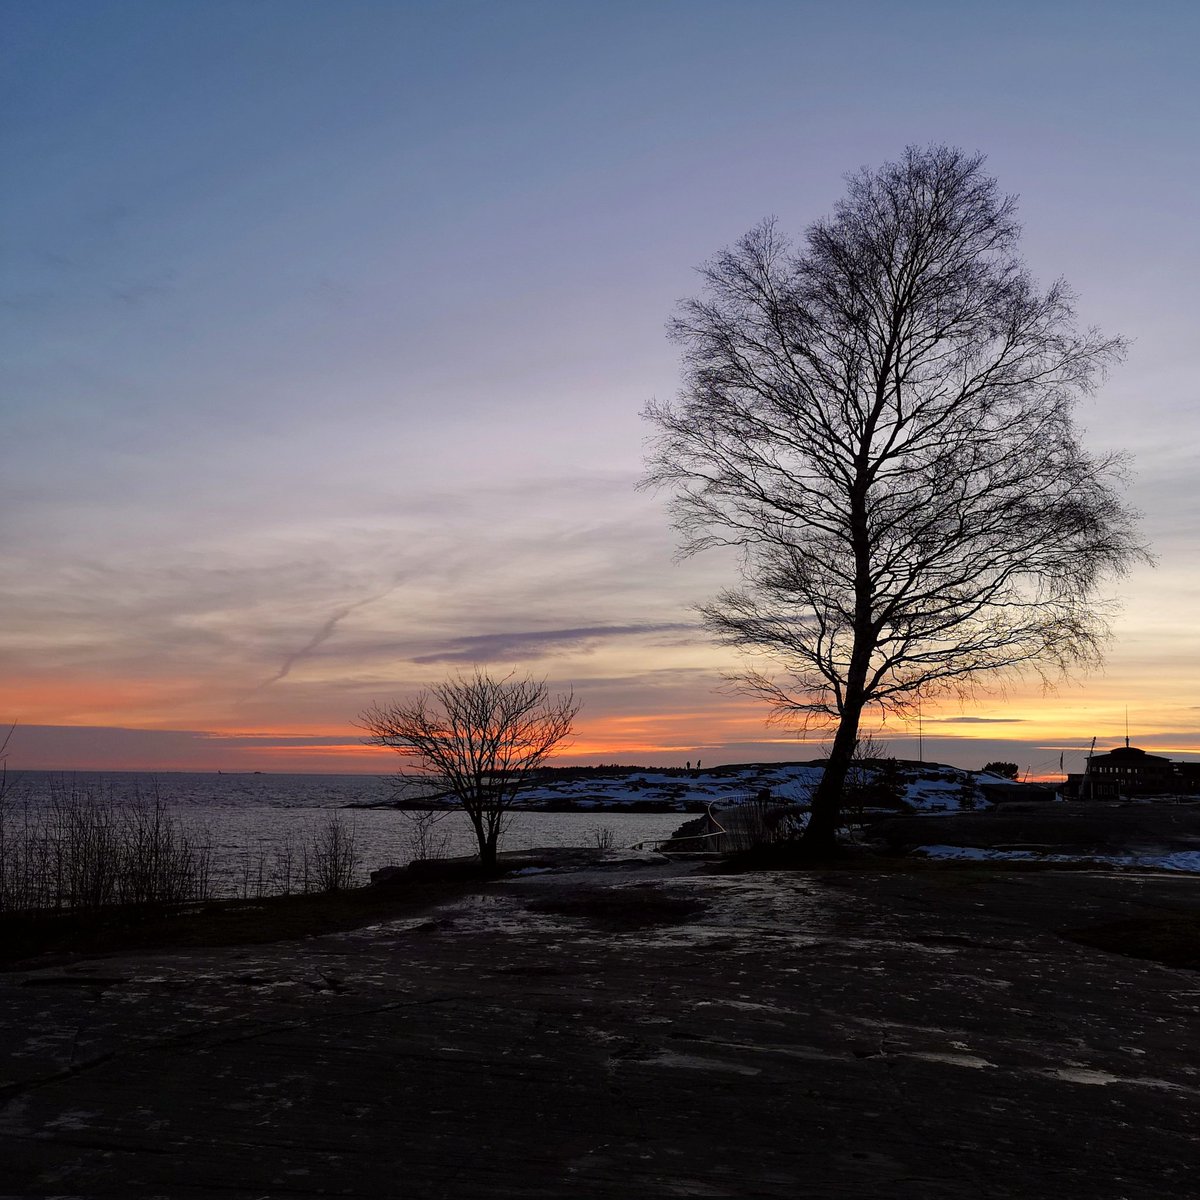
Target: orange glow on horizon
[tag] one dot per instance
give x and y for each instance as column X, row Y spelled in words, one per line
column 201, row 727
column 83, row 701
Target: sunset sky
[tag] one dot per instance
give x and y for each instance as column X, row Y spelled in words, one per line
column 328, row 326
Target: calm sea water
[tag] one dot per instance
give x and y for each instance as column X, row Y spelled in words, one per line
column 248, row 820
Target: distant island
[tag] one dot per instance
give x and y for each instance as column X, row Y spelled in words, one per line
column 886, row 785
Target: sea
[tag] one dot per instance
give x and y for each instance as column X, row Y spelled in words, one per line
column 250, row 820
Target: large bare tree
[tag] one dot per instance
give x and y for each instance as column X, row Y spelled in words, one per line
column 477, row 738
column 881, row 419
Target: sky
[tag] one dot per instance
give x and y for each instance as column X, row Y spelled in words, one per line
column 328, row 325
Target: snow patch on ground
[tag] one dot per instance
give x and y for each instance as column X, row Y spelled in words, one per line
column 924, row 787
column 685, row 789
column 695, row 1062
column 1094, row 1078
column 950, row 1058
column 633, row 855
column 1179, row 860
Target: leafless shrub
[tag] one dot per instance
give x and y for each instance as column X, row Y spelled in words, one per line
column 425, row 840
column 283, row 866
column 83, row 850
column 5, row 783
column 604, row 836
column 330, row 859
column 161, row 860
column 969, row 796
column 252, row 873
column 864, row 785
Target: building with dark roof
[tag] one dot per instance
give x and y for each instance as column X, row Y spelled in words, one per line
column 1130, row 771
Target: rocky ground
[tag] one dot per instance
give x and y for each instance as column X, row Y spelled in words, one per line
column 1112, row 826
column 637, row 1030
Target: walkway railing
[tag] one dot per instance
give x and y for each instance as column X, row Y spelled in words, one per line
column 717, row 830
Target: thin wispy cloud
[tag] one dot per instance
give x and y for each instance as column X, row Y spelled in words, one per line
column 496, row 647
column 228, row 436
column 974, row 720
column 324, row 633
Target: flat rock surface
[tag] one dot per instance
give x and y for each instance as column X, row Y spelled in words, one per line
column 1084, row 828
column 646, row 1030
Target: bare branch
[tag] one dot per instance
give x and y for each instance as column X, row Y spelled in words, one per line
column 477, row 738
column 882, row 420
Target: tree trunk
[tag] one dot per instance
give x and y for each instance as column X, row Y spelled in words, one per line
column 487, row 852
column 487, row 846
column 820, row 835
column 819, row 839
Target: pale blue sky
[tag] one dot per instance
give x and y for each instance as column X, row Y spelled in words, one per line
column 328, row 326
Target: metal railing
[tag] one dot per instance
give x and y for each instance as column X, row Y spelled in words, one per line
column 718, row 830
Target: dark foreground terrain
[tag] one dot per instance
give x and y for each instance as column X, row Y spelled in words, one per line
column 1101, row 827
column 634, row 1032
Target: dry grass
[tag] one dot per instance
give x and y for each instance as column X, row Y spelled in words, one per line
column 24, row 936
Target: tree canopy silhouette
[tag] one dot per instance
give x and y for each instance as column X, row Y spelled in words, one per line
column 881, row 418
column 478, row 738
column 1006, row 770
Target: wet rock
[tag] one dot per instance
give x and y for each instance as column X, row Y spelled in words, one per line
column 775, row 1034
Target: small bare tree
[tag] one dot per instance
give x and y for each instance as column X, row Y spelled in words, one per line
column 479, row 738
column 882, row 420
